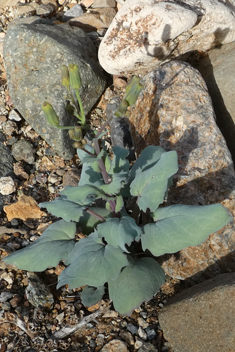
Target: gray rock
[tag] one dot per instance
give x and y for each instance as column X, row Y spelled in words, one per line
column 216, row 68
column 34, row 53
column 23, row 150
column 201, row 318
column 6, row 163
column 5, row 296
column 75, row 11
column 174, row 111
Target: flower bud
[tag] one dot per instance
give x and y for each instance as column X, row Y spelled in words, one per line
column 50, row 114
column 77, row 145
column 133, row 90
column 76, row 133
column 65, row 76
column 74, row 77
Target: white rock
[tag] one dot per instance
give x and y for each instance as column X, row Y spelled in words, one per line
column 14, row 116
column 140, row 33
column 216, row 27
column 7, row 185
column 144, row 33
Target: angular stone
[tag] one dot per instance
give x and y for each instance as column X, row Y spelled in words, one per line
column 34, row 53
column 201, row 318
column 94, row 20
column 216, row 67
column 75, row 11
column 139, row 35
column 25, row 208
column 174, row 111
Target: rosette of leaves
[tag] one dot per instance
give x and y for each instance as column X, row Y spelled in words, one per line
column 109, row 257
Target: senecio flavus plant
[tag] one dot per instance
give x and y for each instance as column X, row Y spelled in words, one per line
column 118, row 252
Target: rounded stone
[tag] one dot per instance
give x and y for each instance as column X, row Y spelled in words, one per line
column 23, row 150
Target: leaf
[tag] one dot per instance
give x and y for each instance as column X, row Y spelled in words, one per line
column 90, row 177
column 148, row 158
column 119, row 204
column 119, row 232
column 82, row 154
column 91, row 295
column 84, row 195
column 116, row 184
column 89, row 222
column 92, row 263
column 150, row 186
column 138, row 282
column 181, row 226
column 53, row 245
column 119, row 162
column 65, row 209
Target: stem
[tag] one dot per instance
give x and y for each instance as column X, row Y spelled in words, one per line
column 104, row 173
column 65, row 127
column 83, row 118
column 97, row 216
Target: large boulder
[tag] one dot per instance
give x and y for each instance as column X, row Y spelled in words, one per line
column 144, row 33
column 174, row 111
column 34, row 51
column 216, row 67
column 201, row 318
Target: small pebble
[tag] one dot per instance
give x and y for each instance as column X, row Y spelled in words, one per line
column 151, row 333
column 13, row 115
column 7, row 185
column 4, row 296
column 142, row 334
column 138, row 343
column 15, row 301
column 6, row 306
column 23, row 150
column 15, row 222
column 132, row 328
column 9, row 127
column 142, row 323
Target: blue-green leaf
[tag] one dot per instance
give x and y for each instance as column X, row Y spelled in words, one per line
column 91, row 295
column 56, row 242
column 89, row 222
column 92, row 263
column 138, row 282
column 118, row 180
column 181, row 226
column 148, row 158
column 119, row 232
column 65, row 209
column 150, row 186
column 119, row 162
column 90, row 177
column 83, row 195
column 119, row 204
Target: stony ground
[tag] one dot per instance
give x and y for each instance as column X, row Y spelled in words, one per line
column 30, row 320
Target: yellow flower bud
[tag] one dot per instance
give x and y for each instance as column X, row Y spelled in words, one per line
column 65, row 76
column 74, row 77
column 50, row 114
